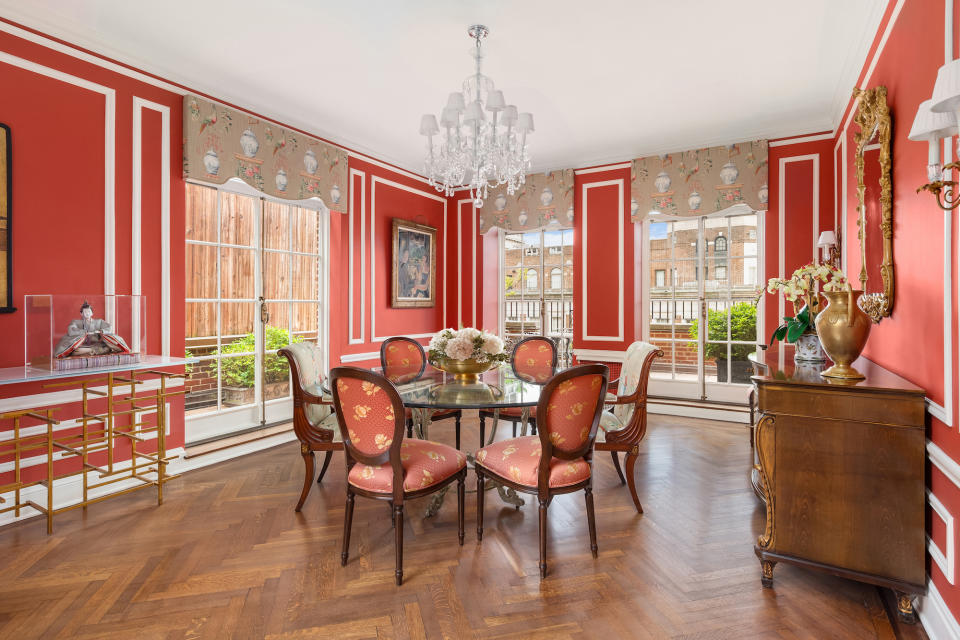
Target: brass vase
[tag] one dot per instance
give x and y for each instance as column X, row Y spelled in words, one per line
column 464, row 370
column 843, row 328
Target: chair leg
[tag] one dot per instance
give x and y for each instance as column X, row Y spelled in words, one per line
column 514, row 429
column 461, row 494
column 591, row 520
column 326, row 463
column 616, row 465
column 307, row 477
column 457, row 420
column 483, row 432
column 543, row 538
column 398, row 524
column 347, row 522
column 480, row 491
column 631, row 482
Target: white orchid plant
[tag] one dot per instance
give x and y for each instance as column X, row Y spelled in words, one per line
column 467, row 343
column 803, row 290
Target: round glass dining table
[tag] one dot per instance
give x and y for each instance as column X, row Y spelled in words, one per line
column 433, row 390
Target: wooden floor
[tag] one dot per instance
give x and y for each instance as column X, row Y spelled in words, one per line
column 227, row 557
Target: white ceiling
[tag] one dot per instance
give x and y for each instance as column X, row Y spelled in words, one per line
column 606, row 80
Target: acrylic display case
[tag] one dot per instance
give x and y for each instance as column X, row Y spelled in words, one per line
column 71, row 331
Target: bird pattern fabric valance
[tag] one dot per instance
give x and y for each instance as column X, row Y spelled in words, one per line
column 222, row 143
column 545, row 200
column 701, row 181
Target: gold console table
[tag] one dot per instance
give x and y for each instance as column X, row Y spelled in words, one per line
column 124, row 419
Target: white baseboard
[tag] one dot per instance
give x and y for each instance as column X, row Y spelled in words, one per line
column 69, row 491
column 705, row 413
column 935, row 616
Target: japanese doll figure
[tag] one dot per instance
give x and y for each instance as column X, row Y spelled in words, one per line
column 89, row 336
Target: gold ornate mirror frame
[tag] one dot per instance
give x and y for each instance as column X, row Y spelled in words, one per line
column 873, row 118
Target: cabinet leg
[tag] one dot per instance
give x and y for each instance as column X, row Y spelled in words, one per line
column 766, row 579
column 905, row 608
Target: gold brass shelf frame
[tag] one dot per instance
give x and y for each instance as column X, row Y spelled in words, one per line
column 125, row 419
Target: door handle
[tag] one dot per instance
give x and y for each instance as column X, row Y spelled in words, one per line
column 264, row 314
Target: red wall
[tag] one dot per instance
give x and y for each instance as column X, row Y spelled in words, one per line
column 378, row 195
column 58, row 122
column 911, row 341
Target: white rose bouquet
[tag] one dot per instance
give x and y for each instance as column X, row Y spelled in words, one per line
column 467, row 344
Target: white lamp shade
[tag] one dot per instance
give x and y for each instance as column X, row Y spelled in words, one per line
column 509, row 117
column 946, row 92
column 474, row 113
column 525, row 122
column 428, row 125
column 827, row 239
column 455, row 101
column 449, row 117
column 932, row 125
column 495, row 101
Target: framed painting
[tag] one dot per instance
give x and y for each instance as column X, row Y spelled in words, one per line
column 6, row 247
column 414, row 272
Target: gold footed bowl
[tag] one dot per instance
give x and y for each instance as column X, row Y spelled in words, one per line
column 463, row 370
column 843, row 328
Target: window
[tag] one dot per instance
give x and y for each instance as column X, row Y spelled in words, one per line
column 537, row 293
column 660, row 278
column 720, row 272
column 531, row 279
column 556, row 278
column 720, row 245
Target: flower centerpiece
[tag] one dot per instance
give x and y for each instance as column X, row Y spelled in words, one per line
column 466, row 353
column 802, row 289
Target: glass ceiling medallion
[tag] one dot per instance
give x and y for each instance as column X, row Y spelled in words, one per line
column 474, row 150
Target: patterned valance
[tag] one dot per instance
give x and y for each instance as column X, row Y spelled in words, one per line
column 702, row 181
column 544, row 200
column 222, row 143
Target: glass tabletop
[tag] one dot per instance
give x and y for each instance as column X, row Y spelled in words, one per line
column 497, row 388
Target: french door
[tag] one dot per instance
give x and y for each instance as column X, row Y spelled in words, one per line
column 536, row 297
column 703, row 272
column 256, row 281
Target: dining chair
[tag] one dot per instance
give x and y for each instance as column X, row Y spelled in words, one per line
column 381, row 464
column 625, row 424
column 402, row 359
column 314, row 423
column 534, row 359
column 557, row 460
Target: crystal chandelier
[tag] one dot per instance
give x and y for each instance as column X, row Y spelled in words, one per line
column 474, row 151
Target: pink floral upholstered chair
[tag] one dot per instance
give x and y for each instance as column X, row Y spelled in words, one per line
column 624, row 425
column 403, row 360
column 534, row 359
column 381, row 464
column 558, row 459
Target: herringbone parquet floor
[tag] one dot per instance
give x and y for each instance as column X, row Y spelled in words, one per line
column 227, row 557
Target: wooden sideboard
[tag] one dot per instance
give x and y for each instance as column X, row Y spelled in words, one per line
column 841, row 469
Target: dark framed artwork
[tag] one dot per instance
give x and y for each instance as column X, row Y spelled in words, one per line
column 414, row 266
column 6, row 245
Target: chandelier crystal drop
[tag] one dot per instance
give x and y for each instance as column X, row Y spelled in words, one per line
column 474, row 150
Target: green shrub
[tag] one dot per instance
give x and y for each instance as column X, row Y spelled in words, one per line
column 744, row 327
column 240, row 371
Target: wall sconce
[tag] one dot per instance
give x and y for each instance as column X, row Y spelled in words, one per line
column 938, row 118
column 827, row 243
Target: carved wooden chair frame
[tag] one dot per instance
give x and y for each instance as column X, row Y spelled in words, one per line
column 442, row 414
column 544, row 492
column 495, row 415
column 628, row 439
column 312, row 437
column 391, row 456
